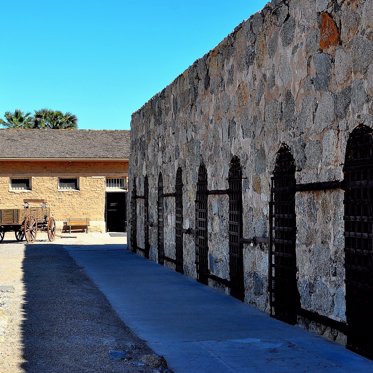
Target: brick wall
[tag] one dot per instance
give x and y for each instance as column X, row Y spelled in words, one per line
column 88, row 201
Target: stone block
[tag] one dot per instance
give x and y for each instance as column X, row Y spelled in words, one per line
column 307, row 113
column 260, row 161
column 358, row 96
column 272, row 44
column 325, row 112
column 321, row 5
column 273, row 114
column 370, row 80
column 329, row 32
column 362, row 54
column 288, row 109
column 367, row 15
column 350, row 21
column 343, row 65
column 287, row 32
column 342, row 102
column 323, row 66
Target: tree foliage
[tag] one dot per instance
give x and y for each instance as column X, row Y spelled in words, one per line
column 45, row 118
column 18, row 119
column 42, row 119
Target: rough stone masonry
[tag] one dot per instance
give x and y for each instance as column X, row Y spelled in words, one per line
column 296, row 76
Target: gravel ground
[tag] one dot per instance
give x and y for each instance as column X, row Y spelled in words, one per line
column 53, row 319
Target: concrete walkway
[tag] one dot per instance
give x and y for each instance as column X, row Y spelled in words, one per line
column 198, row 329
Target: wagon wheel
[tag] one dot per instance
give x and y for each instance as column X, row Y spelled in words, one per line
column 2, row 234
column 30, row 228
column 51, row 229
column 20, row 234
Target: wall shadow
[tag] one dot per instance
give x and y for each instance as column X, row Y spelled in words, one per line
column 68, row 325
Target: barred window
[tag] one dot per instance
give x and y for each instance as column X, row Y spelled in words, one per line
column 116, row 183
column 68, row 184
column 20, row 184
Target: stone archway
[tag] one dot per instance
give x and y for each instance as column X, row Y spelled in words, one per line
column 235, row 230
column 160, row 218
column 179, row 220
column 201, row 237
column 285, row 300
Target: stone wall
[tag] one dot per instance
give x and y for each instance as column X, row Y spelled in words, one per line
column 298, row 73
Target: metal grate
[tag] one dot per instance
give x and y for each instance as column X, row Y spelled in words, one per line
column 179, row 220
column 20, row 184
column 160, row 220
column 358, row 216
column 134, row 218
column 146, row 216
column 284, row 296
column 235, row 230
column 116, row 183
column 202, row 226
column 68, row 184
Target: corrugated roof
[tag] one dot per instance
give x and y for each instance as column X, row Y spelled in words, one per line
column 53, row 143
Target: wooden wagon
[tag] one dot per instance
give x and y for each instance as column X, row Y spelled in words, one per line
column 26, row 222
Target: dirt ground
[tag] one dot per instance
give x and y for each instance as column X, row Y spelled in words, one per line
column 53, row 319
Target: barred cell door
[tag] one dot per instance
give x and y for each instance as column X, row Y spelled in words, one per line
column 146, row 216
column 179, row 220
column 160, row 238
column 358, row 175
column 201, row 226
column 134, row 217
column 284, row 295
column 235, row 230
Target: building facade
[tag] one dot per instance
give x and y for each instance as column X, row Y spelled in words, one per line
column 252, row 172
column 81, row 174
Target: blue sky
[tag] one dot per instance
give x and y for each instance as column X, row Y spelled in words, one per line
column 103, row 59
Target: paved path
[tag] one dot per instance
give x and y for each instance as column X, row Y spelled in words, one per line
column 199, row 329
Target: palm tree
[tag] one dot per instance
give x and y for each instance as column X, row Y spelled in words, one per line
column 18, row 119
column 43, row 119
column 54, row 119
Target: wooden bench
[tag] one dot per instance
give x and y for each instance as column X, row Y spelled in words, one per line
column 77, row 223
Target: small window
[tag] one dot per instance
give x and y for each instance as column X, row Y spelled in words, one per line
column 20, row 184
column 116, row 183
column 68, row 184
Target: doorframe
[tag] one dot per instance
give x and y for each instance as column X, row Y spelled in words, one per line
column 106, row 214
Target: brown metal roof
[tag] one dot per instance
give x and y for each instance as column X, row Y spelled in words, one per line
column 62, row 144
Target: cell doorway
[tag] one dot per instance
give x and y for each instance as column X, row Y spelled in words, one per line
column 116, row 220
column 358, row 217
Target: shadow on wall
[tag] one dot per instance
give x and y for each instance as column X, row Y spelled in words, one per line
column 68, row 324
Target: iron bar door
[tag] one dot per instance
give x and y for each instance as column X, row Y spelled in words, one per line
column 235, row 230
column 134, row 217
column 284, row 293
column 201, row 235
column 160, row 233
column 146, row 216
column 179, row 220
column 358, row 216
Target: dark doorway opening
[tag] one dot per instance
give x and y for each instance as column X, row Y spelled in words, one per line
column 235, row 230
column 202, row 226
column 160, row 212
column 179, row 221
column 358, row 217
column 285, row 300
column 116, row 212
column 146, row 216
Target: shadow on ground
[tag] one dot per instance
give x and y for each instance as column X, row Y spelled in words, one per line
column 68, row 324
